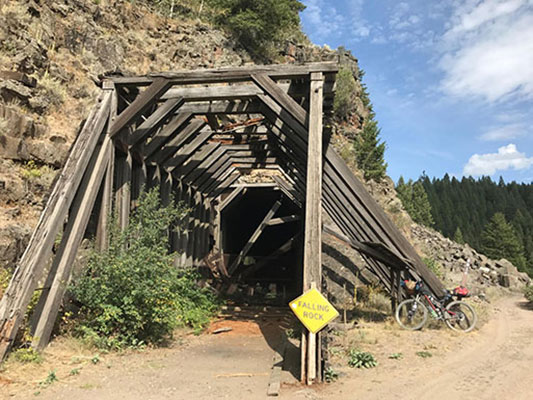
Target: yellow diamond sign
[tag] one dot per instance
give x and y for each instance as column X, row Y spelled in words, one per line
column 314, row 310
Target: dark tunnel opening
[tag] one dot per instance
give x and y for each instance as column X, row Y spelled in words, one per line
column 272, row 269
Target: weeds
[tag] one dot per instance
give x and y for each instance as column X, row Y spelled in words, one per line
column 396, row 356
column 424, row 354
column 434, row 266
column 26, row 356
column 361, row 359
column 51, row 378
column 331, row 375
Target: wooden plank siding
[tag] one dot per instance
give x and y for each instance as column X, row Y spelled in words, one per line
column 30, row 268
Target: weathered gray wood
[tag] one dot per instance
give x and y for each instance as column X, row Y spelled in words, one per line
column 279, row 72
column 282, row 98
column 167, row 133
column 312, row 273
column 102, row 230
column 138, row 183
column 233, row 92
column 289, row 191
column 283, row 220
column 232, row 196
column 175, row 153
column 123, row 167
column 73, row 235
column 254, row 237
column 30, row 268
column 155, row 120
column 146, row 99
column 224, row 185
column 274, row 384
column 295, row 117
column 195, row 162
column 222, row 107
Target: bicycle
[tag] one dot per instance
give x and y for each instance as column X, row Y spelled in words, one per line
column 412, row 314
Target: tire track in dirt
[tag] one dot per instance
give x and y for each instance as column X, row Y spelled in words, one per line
column 496, row 365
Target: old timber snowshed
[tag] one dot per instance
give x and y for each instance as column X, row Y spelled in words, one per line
column 168, row 130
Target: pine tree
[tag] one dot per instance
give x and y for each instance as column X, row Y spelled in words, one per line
column 415, row 201
column 421, row 206
column 369, row 151
column 458, row 236
column 499, row 240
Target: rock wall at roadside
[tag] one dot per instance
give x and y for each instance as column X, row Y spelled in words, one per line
column 452, row 257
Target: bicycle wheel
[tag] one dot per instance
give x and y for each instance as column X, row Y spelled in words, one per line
column 411, row 314
column 460, row 316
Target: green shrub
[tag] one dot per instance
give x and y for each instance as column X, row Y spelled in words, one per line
column 331, row 375
column 344, row 102
column 259, row 24
column 26, row 355
column 528, row 292
column 132, row 294
column 434, row 266
column 361, row 359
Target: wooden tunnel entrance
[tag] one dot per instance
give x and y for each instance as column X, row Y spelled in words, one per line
column 244, row 149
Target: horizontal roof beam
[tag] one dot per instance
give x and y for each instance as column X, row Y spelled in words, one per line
column 276, row 72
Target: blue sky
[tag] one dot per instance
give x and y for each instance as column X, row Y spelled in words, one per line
column 451, row 81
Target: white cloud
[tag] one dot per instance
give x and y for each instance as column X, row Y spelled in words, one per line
column 488, row 50
column 506, row 158
column 505, row 132
column 470, row 15
column 324, row 19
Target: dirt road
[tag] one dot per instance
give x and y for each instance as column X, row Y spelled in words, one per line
column 493, row 363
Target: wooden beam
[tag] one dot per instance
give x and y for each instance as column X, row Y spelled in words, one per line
column 254, row 237
column 312, row 274
column 227, row 107
column 72, row 237
column 155, row 120
column 145, row 100
column 123, row 175
column 106, row 207
column 167, row 133
column 278, row 72
column 175, row 152
column 232, row 196
column 235, row 92
column 283, row 220
column 368, row 250
column 284, row 248
column 30, row 268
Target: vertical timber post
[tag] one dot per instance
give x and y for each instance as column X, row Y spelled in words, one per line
column 312, row 271
column 106, row 208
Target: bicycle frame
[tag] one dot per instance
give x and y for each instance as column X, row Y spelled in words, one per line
column 441, row 312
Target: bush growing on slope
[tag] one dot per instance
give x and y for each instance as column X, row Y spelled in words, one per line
column 132, row 293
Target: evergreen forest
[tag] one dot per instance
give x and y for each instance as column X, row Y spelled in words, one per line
column 495, row 218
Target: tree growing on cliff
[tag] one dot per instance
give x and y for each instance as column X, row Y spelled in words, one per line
column 258, row 24
column 344, row 102
column 370, row 150
column 499, row 240
column 415, row 201
column 458, row 236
